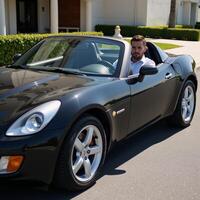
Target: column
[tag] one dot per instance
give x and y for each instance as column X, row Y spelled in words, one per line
column 2, row 18
column 12, row 16
column 88, row 15
column 54, row 16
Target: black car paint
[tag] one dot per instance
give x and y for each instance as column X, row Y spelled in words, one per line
column 144, row 102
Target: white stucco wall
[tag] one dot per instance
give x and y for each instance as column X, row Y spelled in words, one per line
column 118, row 12
column 43, row 16
column 140, row 12
column 158, row 12
column 126, row 12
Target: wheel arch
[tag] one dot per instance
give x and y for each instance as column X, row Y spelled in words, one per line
column 103, row 117
column 193, row 79
column 100, row 113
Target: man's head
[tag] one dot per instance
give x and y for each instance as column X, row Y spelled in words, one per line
column 139, row 47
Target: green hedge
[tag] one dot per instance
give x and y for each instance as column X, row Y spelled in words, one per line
column 12, row 44
column 152, row 32
column 197, row 26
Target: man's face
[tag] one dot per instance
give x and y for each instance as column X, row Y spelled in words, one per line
column 138, row 50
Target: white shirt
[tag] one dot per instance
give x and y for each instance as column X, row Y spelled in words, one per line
column 135, row 66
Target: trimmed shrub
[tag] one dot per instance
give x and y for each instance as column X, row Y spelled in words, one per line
column 20, row 43
column 197, row 26
column 152, row 32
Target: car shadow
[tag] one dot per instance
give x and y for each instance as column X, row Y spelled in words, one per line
column 136, row 144
column 131, row 147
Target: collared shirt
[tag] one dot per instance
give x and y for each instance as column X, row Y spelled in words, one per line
column 135, row 66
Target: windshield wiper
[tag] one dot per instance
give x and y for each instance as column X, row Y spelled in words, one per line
column 67, row 71
column 59, row 70
column 17, row 66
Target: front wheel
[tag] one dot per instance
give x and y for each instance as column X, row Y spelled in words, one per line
column 184, row 112
column 82, row 155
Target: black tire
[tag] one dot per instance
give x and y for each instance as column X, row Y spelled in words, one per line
column 64, row 176
column 177, row 117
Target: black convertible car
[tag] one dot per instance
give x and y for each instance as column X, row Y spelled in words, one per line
column 64, row 103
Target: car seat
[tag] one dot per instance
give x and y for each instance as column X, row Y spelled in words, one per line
column 83, row 54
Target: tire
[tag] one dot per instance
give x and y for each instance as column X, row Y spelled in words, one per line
column 82, row 155
column 185, row 108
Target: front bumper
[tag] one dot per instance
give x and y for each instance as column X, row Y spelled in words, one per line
column 40, row 152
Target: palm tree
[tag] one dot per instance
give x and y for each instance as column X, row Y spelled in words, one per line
column 172, row 14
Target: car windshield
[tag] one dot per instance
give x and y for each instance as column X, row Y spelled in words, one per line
column 94, row 56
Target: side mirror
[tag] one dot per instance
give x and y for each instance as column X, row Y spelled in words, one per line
column 147, row 70
column 16, row 57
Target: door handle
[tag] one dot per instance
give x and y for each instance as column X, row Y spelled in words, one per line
column 168, row 75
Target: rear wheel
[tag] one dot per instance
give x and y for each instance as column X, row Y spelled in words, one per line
column 82, row 155
column 184, row 112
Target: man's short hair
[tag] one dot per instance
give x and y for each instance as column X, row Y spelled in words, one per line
column 138, row 38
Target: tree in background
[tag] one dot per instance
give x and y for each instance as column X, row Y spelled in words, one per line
column 172, row 14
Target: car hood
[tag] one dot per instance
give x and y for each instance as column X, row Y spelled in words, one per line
column 22, row 89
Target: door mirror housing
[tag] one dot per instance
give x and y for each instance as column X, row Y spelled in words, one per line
column 145, row 70
column 148, row 70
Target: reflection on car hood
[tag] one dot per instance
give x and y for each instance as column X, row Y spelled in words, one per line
column 20, row 88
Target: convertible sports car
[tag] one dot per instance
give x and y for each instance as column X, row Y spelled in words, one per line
column 64, row 103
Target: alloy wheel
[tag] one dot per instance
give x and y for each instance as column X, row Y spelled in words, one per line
column 86, row 153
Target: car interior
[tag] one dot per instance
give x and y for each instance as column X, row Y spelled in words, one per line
column 153, row 54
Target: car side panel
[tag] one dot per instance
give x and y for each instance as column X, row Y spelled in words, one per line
column 151, row 98
column 112, row 98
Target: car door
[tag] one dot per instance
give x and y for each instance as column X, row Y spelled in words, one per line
column 151, row 98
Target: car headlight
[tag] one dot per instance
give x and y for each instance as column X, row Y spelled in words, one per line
column 34, row 120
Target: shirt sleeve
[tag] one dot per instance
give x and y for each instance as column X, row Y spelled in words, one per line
column 150, row 62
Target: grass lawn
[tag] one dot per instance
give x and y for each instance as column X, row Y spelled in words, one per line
column 163, row 46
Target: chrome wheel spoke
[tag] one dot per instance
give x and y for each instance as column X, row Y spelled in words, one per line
column 94, row 150
column 191, row 98
column 186, row 93
column 89, row 136
column 184, row 112
column 87, row 167
column 77, row 165
column 79, row 145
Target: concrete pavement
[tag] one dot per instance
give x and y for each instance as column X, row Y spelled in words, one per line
column 187, row 47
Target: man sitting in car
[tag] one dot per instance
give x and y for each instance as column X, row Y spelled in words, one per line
column 138, row 58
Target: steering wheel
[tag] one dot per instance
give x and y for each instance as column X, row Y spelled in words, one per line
column 107, row 64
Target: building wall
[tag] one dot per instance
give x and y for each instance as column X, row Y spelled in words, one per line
column 97, row 12
column 141, row 12
column 158, row 12
column 117, row 12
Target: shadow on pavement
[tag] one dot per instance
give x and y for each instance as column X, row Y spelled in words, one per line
column 126, row 150
column 120, row 154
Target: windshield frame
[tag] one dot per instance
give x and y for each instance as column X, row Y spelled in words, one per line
column 102, row 40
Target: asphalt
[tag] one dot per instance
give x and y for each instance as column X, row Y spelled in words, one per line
column 187, row 47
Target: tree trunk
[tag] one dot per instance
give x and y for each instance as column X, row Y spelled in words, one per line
column 172, row 15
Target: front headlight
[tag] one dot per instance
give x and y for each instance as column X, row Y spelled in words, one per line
column 34, row 120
